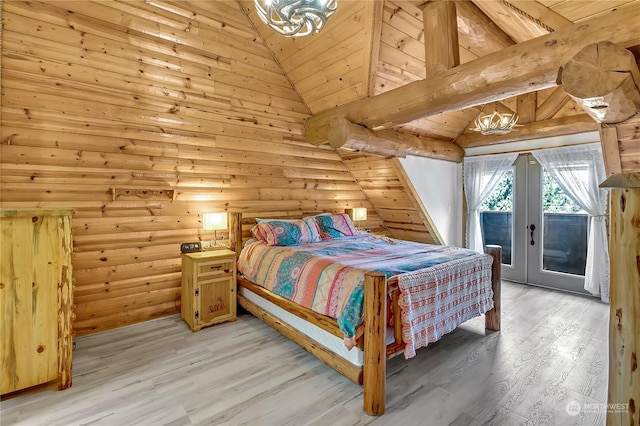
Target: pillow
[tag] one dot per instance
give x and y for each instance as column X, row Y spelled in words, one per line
column 286, row 232
column 336, row 225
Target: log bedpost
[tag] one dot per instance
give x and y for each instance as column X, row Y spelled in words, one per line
column 492, row 317
column 65, row 308
column 235, row 232
column 375, row 349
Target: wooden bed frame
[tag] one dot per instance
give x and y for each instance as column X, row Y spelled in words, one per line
column 372, row 375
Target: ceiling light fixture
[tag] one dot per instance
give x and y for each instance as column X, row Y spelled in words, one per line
column 296, row 18
column 496, row 123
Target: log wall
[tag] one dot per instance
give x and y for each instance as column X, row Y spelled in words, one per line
column 394, row 198
column 179, row 103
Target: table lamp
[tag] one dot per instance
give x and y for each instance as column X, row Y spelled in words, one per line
column 358, row 214
column 214, row 222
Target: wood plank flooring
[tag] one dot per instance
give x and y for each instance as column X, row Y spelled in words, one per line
column 552, row 350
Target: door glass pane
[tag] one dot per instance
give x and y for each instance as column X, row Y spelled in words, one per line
column 564, row 230
column 496, row 217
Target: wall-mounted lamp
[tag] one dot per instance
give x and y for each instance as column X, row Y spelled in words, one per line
column 214, row 222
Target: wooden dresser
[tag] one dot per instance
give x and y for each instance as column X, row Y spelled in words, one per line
column 36, row 297
column 208, row 288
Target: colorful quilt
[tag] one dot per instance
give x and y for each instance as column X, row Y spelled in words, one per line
column 440, row 286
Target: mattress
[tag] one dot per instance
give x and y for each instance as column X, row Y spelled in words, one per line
column 331, row 342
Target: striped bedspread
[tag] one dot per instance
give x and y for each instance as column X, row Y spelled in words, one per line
column 440, row 286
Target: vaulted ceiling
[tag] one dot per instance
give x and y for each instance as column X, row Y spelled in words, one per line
column 371, row 47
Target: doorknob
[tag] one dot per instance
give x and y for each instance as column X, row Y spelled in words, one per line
column 532, row 227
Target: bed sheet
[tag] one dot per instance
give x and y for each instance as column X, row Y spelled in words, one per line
column 441, row 286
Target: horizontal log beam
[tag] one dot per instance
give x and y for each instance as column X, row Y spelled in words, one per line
column 604, row 79
column 522, row 68
column 536, row 130
column 389, row 143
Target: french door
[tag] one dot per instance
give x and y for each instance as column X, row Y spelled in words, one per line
column 542, row 231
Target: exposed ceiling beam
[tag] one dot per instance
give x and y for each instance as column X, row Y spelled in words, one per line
column 389, row 143
column 522, row 68
column 610, row 150
column 603, row 79
column 539, row 129
column 441, row 46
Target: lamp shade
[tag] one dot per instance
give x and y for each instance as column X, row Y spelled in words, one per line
column 214, row 221
column 359, row 213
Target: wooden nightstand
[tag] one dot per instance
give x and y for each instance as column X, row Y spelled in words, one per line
column 208, row 288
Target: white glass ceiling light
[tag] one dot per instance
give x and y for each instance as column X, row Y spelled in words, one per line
column 496, row 123
column 295, row 18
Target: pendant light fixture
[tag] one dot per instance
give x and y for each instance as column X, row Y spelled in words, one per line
column 296, row 18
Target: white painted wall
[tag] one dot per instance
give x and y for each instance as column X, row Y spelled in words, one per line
column 439, row 185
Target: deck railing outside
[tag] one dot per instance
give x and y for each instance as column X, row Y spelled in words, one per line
column 565, row 239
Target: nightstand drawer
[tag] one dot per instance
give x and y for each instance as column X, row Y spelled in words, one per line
column 212, row 269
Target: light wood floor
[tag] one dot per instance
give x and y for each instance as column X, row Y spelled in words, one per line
column 552, row 350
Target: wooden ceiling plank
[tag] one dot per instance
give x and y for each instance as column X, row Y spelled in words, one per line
column 396, row 16
column 411, row 8
column 522, row 68
column 577, row 11
column 342, row 96
column 350, row 35
column 397, row 39
column 343, row 71
column 554, row 103
column 374, row 36
column 477, row 33
column 536, row 130
column 511, row 20
column 325, row 59
column 334, row 84
column 542, row 13
column 629, row 132
column 408, row 64
column 441, row 47
column 526, row 109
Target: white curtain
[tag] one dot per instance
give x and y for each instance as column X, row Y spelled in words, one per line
column 481, row 176
column 579, row 170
